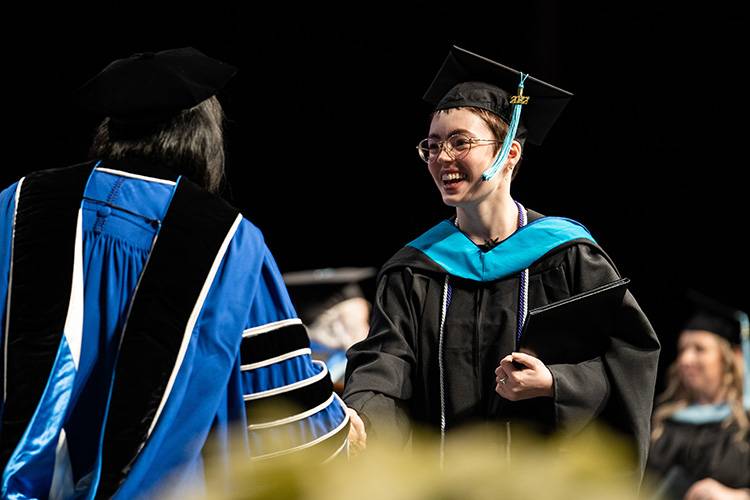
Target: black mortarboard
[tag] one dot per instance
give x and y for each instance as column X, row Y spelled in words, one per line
column 316, row 290
column 468, row 79
column 152, row 86
column 713, row 316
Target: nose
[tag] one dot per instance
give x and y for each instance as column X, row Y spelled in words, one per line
column 686, row 358
column 443, row 155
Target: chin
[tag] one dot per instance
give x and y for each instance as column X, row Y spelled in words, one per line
column 692, row 385
column 451, row 200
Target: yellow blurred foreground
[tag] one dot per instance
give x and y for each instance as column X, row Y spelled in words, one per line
column 593, row 465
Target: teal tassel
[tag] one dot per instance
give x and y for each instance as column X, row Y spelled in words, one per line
column 745, row 341
column 510, row 136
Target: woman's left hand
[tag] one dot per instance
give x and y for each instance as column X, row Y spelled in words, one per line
column 533, row 380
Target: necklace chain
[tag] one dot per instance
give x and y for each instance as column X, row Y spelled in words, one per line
column 491, row 242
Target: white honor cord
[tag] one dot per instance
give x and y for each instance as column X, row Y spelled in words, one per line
column 443, row 312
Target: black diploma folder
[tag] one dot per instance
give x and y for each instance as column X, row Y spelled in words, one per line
column 574, row 329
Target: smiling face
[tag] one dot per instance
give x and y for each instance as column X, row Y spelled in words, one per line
column 459, row 180
column 700, row 364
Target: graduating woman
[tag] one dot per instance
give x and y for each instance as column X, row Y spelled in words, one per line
column 701, row 431
column 450, row 306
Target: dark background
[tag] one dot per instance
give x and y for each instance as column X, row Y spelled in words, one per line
column 326, row 110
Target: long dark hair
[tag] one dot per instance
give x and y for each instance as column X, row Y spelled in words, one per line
column 191, row 143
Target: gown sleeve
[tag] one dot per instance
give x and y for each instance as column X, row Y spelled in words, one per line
column 384, row 360
column 288, row 397
column 619, row 385
column 7, row 209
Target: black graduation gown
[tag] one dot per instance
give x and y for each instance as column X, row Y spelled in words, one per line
column 701, row 450
column 393, row 376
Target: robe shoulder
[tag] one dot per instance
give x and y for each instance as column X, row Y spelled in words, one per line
column 589, row 252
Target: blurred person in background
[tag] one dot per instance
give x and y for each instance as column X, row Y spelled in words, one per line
column 332, row 303
column 700, row 445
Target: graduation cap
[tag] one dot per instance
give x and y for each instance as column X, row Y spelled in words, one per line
column 712, row 316
column 154, row 86
column 468, row 79
column 315, row 291
column 726, row 322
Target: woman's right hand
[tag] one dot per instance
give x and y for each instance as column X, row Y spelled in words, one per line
column 710, row 489
column 357, row 434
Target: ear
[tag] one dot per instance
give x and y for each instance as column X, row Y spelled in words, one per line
column 514, row 156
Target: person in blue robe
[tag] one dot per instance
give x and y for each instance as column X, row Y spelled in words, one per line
column 443, row 347
column 142, row 316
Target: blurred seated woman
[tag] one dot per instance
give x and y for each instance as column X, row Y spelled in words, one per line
column 701, row 432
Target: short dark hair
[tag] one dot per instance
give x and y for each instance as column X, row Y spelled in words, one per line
column 191, row 143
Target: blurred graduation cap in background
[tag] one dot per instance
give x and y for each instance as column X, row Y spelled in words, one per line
column 468, row 79
column 712, row 316
column 334, row 308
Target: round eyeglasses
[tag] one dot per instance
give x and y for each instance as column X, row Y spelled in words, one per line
column 456, row 146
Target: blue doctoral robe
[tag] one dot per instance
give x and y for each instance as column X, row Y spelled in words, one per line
column 139, row 315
